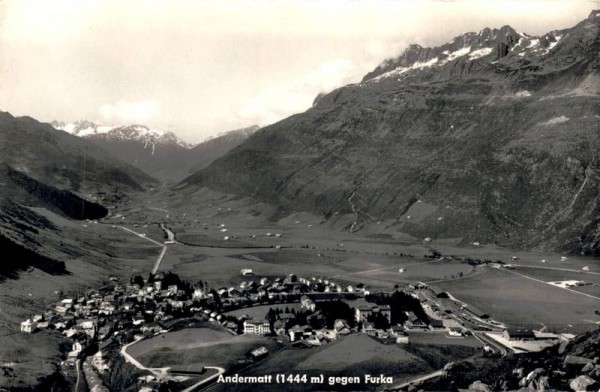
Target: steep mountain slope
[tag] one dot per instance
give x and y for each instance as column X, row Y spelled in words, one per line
column 161, row 154
column 496, row 133
column 43, row 167
column 203, row 154
column 58, row 160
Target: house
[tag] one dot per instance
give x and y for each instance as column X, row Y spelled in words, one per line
column 298, row 333
column 413, row 321
column 326, row 334
column 27, row 326
column 89, row 327
column 364, row 309
column 436, row 324
column 369, row 329
column 398, row 333
column 313, row 340
column 77, row 346
column 247, row 271
column 198, row 293
column 258, row 353
column 280, row 330
column 341, row 327
column 455, row 332
column 307, row 303
column 518, row 334
column 402, row 339
column 256, row 327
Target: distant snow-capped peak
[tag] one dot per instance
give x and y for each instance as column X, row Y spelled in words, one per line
column 136, row 132
column 488, row 45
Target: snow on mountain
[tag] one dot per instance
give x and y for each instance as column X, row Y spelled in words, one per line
column 141, row 133
column 488, row 46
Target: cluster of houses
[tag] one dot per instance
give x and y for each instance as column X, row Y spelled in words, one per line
column 122, row 312
column 145, row 306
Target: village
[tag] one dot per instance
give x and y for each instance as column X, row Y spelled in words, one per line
column 306, row 312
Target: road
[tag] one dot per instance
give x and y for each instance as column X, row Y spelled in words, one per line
column 385, row 268
column 159, row 373
column 80, row 385
column 170, row 236
column 557, row 269
column 417, row 380
column 219, row 370
column 541, row 281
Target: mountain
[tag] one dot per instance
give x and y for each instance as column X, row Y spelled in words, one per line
column 492, row 137
column 44, row 167
column 160, row 154
column 571, row 366
column 203, row 154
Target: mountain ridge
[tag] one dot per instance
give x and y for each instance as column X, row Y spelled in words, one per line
column 160, row 154
column 502, row 147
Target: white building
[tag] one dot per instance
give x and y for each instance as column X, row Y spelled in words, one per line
column 256, row 327
column 27, row 326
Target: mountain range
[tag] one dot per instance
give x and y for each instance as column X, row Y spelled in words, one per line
column 492, row 137
column 44, row 167
column 158, row 153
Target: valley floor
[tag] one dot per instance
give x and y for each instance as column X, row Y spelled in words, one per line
column 211, row 237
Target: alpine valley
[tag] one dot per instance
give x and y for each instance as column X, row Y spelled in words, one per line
column 496, row 131
column 435, row 226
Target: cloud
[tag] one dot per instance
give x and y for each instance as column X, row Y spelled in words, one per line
column 128, row 112
column 279, row 102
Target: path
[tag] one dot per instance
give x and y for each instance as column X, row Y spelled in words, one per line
column 417, row 380
column 556, row 269
column 80, row 385
column 219, row 370
column 159, row 373
column 541, row 281
column 384, row 269
column 170, row 235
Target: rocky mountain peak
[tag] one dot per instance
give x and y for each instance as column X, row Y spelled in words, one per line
column 491, row 44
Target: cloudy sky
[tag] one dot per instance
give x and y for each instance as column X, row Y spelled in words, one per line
column 202, row 67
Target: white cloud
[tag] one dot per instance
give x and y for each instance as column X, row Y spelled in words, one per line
column 281, row 101
column 128, row 112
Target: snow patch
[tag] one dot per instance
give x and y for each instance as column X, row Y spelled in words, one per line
column 534, row 42
column 553, row 44
column 459, row 53
column 556, row 120
column 480, row 53
column 523, row 93
column 401, row 70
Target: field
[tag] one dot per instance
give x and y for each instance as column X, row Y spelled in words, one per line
column 518, row 301
column 551, row 275
column 185, row 338
column 353, row 355
column 311, row 246
column 198, row 347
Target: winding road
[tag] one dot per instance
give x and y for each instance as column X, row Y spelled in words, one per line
column 162, row 373
column 417, row 380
